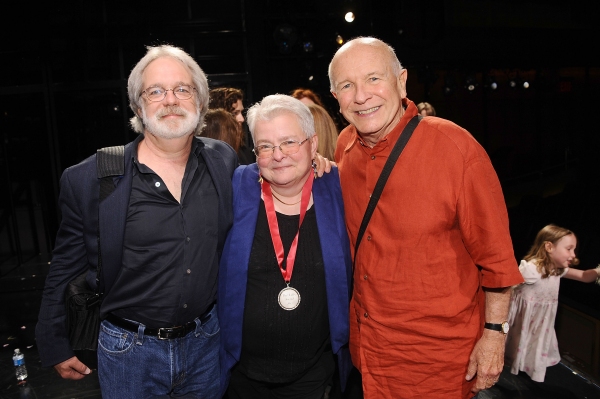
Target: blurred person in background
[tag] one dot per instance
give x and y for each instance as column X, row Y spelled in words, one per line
column 232, row 100
column 307, row 96
column 326, row 130
column 426, row 109
column 221, row 125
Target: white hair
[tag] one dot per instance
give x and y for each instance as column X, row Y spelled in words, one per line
column 278, row 104
column 135, row 82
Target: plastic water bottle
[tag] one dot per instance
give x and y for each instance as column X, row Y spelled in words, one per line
column 19, row 362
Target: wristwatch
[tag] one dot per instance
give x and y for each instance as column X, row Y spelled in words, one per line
column 503, row 328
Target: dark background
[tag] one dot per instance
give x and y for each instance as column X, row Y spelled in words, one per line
column 64, row 67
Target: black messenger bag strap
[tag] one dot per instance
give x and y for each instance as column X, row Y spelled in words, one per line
column 110, row 162
column 385, row 174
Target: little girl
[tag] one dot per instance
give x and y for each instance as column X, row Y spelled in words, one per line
column 531, row 345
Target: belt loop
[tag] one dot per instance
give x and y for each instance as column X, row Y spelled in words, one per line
column 140, row 334
column 198, row 330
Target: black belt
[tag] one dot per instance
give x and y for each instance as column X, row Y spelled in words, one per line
column 160, row 333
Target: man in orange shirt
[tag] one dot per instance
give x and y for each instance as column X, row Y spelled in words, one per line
column 438, row 236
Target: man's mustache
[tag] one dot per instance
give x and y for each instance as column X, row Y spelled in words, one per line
column 170, row 110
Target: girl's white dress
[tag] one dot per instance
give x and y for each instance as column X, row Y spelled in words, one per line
column 531, row 344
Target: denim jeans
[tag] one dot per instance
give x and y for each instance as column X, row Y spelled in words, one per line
column 132, row 365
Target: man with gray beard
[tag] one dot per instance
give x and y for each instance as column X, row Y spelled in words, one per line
column 161, row 232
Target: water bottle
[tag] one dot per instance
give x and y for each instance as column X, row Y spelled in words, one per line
column 19, row 362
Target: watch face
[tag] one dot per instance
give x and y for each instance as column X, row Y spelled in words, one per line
column 505, row 327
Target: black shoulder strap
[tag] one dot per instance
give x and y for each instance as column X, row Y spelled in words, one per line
column 385, row 173
column 110, row 161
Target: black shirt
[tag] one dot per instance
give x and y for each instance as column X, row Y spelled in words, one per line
column 279, row 345
column 170, row 261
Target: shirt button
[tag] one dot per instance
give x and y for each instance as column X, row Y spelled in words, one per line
column 365, row 277
column 372, row 156
column 368, row 238
column 185, row 305
column 188, row 239
column 157, row 184
column 188, row 271
column 366, row 315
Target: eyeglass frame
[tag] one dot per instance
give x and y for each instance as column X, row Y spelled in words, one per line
column 279, row 146
column 166, row 90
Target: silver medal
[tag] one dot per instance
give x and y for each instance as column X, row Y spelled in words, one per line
column 289, row 298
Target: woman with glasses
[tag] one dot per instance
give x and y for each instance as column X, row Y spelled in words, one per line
column 284, row 279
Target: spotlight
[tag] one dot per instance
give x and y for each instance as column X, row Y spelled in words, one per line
column 308, row 47
column 491, row 83
column 515, row 82
column 349, row 17
column 339, row 40
column 311, row 77
column 526, row 85
column 449, row 85
column 471, row 83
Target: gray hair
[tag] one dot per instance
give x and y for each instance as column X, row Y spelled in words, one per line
column 369, row 41
column 276, row 105
column 135, row 81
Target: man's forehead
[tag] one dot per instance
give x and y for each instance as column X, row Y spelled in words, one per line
column 167, row 68
column 363, row 65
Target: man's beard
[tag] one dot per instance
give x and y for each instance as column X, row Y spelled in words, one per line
column 171, row 129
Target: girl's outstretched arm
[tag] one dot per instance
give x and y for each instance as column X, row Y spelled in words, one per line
column 586, row 276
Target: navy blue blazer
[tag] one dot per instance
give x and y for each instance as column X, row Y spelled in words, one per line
column 233, row 271
column 76, row 247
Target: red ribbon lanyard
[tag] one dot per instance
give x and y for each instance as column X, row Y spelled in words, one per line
column 274, row 226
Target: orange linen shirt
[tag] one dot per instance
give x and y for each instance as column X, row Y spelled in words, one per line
column 439, row 233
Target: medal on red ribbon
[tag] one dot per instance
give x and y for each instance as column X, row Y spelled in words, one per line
column 288, row 298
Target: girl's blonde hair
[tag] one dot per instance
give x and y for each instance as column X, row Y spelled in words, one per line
column 551, row 233
column 326, row 130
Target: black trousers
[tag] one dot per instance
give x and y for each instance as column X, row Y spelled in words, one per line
column 311, row 385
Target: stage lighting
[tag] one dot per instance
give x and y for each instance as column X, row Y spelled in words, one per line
column 449, row 85
column 515, row 82
column 308, row 47
column 349, row 17
column 491, row 83
column 339, row 40
column 471, row 83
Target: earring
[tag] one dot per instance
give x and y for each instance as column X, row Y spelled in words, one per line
column 260, row 179
column 314, row 166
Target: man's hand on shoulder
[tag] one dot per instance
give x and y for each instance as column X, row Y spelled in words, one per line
column 72, row 369
column 323, row 165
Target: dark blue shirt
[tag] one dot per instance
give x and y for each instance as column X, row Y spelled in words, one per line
column 170, row 260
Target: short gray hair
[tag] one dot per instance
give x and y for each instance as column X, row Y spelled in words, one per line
column 369, row 41
column 135, row 81
column 276, row 105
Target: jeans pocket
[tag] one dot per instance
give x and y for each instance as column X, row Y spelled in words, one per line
column 115, row 340
column 210, row 328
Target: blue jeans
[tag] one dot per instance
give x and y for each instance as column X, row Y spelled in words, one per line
column 131, row 365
